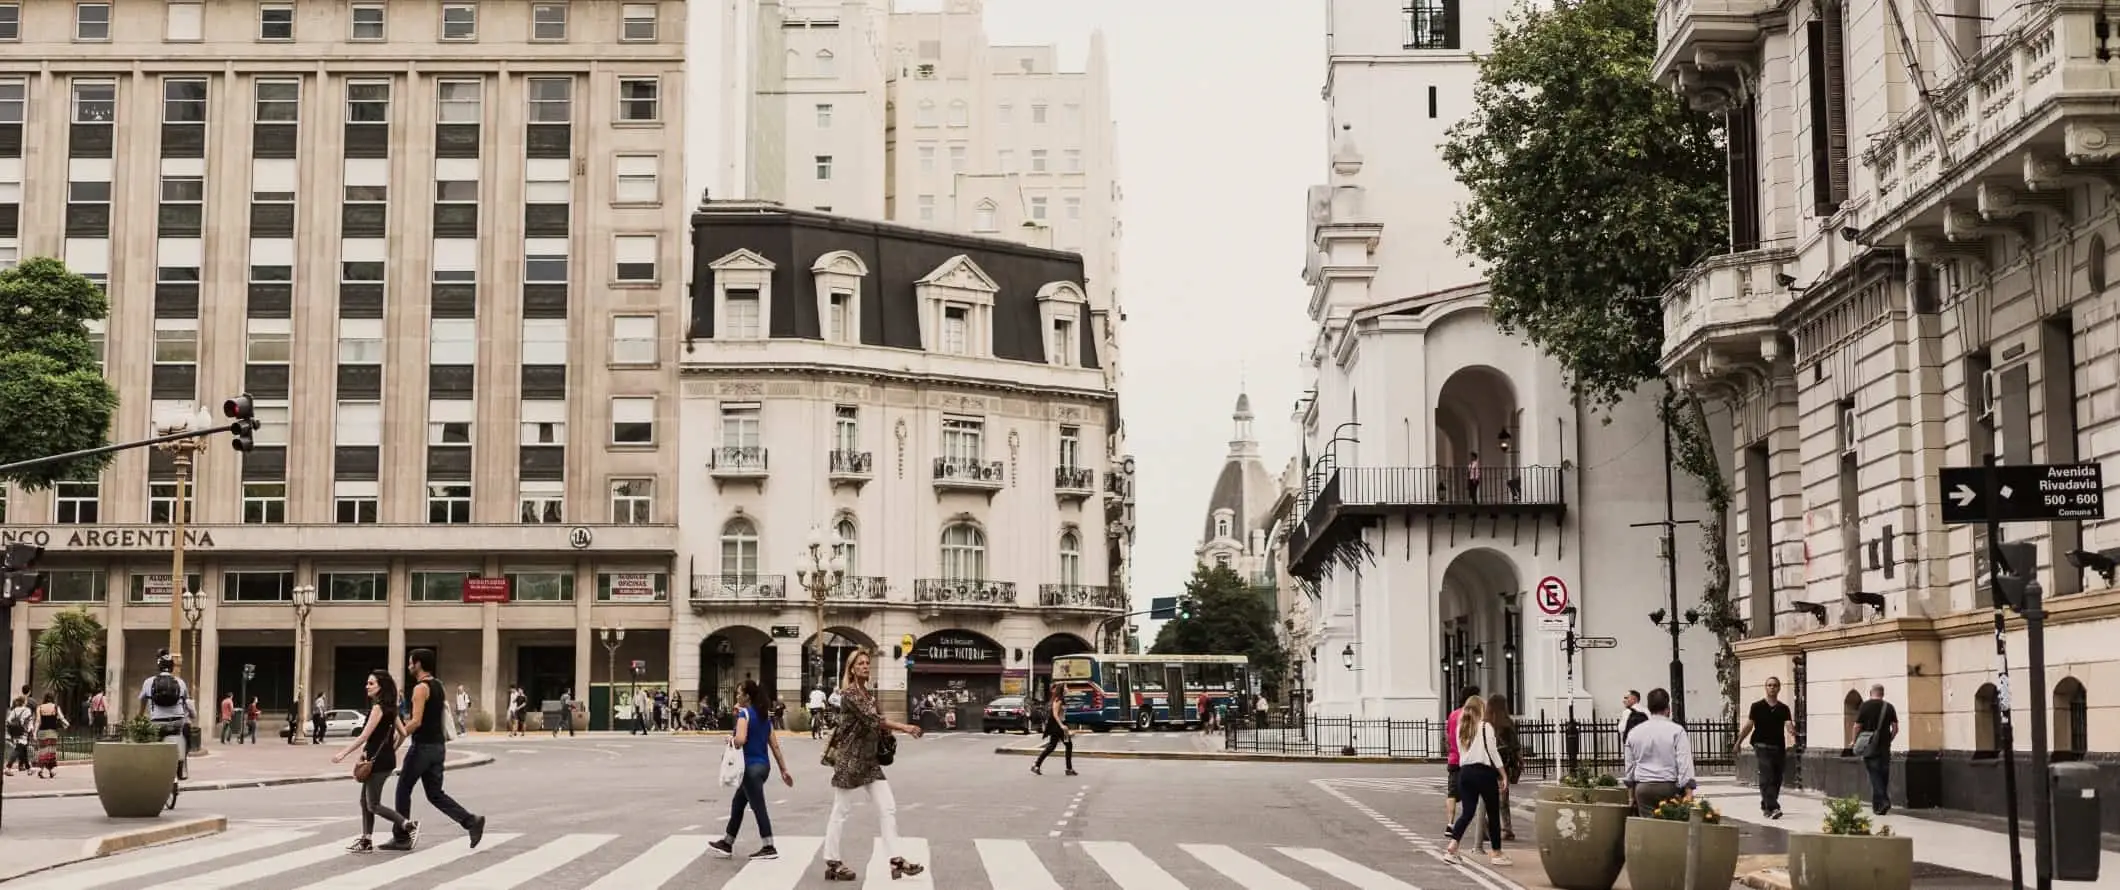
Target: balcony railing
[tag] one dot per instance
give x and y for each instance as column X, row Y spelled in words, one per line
column 1075, row 480
column 971, row 473
column 959, row 592
column 1430, row 24
column 737, row 460
column 859, row 589
column 850, row 463
column 737, row 589
column 1082, row 596
column 1371, row 491
column 1727, row 301
column 1682, row 26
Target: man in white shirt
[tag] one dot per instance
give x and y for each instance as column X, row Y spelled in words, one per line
column 463, row 708
column 816, row 710
column 1659, row 763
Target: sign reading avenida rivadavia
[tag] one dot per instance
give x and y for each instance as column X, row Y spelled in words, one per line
column 142, row 538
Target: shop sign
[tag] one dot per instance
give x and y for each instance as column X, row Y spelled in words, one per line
column 140, row 538
column 958, row 648
column 485, row 590
column 633, row 587
column 1014, row 680
column 787, row 631
column 155, row 588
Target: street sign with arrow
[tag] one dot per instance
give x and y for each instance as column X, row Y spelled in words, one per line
column 1597, row 642
column 2023, row 493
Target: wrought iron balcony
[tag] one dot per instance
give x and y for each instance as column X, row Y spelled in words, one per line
column 1335, row 513
column 1082, row 596
column 850, row 463
column 737, row 462
column 1074, row 483
column 859, row 589
column 739, row 589
column 957, row 592
column 969, row 474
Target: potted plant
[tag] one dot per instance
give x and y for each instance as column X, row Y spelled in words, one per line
column 1656, row 847
column 1585, row 786
column 1848, row 854
column 134, row 772
column 1582, row 839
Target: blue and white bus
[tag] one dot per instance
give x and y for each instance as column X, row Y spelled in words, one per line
column 1103, row 691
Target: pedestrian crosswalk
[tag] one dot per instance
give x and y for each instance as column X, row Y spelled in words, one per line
column 1396, row 784
column 317, row 860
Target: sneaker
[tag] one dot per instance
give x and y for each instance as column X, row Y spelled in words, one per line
column 412, row 831
column 361, row 845
column 396, row 845
column 722, row 848
column 1500, row 861
column 765, row 852
column 477, row 830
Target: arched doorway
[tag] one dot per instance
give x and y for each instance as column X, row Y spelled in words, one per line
column 955, row 669
column 731, row 655
column 840, row 643
column 1042, row 657
column 1482, row 621
column 1475, row 437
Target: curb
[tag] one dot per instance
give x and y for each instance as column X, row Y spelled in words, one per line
column 1223, row 756
column 475, row 760
column 119, row 842
column 1766, row 879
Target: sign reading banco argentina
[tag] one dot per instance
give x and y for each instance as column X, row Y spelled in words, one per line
column 105, row 538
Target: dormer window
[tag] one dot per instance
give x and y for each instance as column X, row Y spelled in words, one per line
column 1060, row 312
column 743, row 296
column 839, row 275
column 957, row 308
column 956, row 329
column 1221, row 527
column 1063, row 346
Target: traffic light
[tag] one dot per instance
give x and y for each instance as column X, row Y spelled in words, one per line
column 1185, row 607
column 20, row 582
column 245, row 421
column 2016, row 583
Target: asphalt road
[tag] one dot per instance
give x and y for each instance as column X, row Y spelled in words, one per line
column 632, row 813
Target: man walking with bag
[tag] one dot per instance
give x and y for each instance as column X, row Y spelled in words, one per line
column 1876, row 726
column 428, row 729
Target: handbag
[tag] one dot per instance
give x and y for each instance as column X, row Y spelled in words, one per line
column 886, row 749
column 731, row 765
column 363, row 769
column 1864, row 741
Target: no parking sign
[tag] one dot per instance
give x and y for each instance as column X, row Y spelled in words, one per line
column 1552, row 595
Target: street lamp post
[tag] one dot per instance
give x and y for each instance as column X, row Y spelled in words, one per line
column 181, row 452
column 305, row 599
column 819, row 570
column 194, row 611
column 613, row 637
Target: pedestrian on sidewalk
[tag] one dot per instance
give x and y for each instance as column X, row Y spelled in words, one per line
column 18, row 719
column 816, row 707
column 49, row 722
column 98, row 714
column 1876, row 727
column 429, row 750
column 566, row 713
column 861, row 742
column 1056, row 731
column 1480, row 782
column 1451, row 770
column 251, row 715
column 1659, row 762
column 1772, row 729
column 463, row 708
column 1510, row 745
column 229, row 727
column 316, row 719
column 1633, row 715
column 378, row 746
column 761, row 750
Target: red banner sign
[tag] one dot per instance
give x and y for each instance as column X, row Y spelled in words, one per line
column 485, row 590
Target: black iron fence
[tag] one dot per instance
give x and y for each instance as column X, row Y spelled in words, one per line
column 1579, row 744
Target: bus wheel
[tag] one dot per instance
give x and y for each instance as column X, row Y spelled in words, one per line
column 1143, row 720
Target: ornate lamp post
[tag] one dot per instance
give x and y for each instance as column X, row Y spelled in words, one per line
column 194, row 611
column 181, row 453
column 613, row 637
column 304, row 599
column 818, row 570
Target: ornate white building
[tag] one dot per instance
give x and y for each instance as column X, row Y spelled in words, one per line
column 1448, row 468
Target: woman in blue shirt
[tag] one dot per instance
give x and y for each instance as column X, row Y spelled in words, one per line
column 755, row 735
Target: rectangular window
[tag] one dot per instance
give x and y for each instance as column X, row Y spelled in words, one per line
column 1074, row 208
column 632, row 587
column 354, row 502
column 176, row 341
column 1038, row 207
column 1070, row 447
column 548, row 21
column 86, row 586
column 458, row 101
column 273, row 421
column 1063, row 342
column 75, row 503
column 541, row 502
column 449, row 503
column 926, row 203
column 1433, row 102
column 1073, row 158
column 846, row 428
column 92, row 22
column 183, row 101
column 184, row 22
column 1037, row 160
column 636, row 256
column 269, row 341
column 639, row 100
column 824, row 167
column 544, row 422
column 275, row 101
column 632, row 420
column 545, row 268
column 1038, row 113
column 449, row 421
column 14, row 103
column 459, row 21
column 639, row 25
column 10, row 22
column 439, row 587
column 360, row 341
column 257, row 587
column 841, row 308
column 639, row 179
column 1008, row 160
column 963, row 438
column 740, row 426
column 452, row 341
column 95, row 101
column 264, row 503
column 541, row 587
column 358, row 424
column 632, row 501
column 634, row 339
column 367, row 22
column 743, row 318
column 551, row 100
column 927, row 158
column 1431, row 24
column 544, row 341
column 276, row 21
column 956, row 330
column 353, row 587
column 368, row 102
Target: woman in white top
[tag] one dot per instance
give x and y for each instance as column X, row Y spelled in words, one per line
column 1480, row 781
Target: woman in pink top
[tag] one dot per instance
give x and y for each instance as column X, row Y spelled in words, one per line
column 1450, row 747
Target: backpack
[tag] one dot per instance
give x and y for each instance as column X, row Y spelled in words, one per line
column 166, row 692
column 15, row 723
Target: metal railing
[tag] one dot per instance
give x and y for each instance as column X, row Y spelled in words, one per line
column 1074, row 478
column 738, row 459
column 739, row 588
column 959, row 592
column 854, row 463
column 860, row 588
column 1431, row 24
column 1341, row 488
column 1081, row 596
column 969, row 470
column 1592, row 745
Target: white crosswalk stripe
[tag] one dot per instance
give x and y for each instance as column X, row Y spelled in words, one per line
column 506, row 861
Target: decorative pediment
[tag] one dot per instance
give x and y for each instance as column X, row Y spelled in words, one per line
column 839, row 262
column 1063, row 291
column 742, row 260
column 960, row 273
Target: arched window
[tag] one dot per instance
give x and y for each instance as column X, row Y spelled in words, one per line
column 1849, row 707
column 1987, row 719
column 1070, row 559
column 846, row 545
column 824, row 62
column 1221, row 526
column 2072, row 711
column 925, row 116
column 739, row 548
column 960, row 114
column 983, row 217
column 963, row 553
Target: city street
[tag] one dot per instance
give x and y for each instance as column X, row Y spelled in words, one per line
column 617, row 811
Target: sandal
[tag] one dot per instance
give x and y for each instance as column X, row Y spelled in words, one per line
column 901, row 868
column 1500, row 861
column 835, row 871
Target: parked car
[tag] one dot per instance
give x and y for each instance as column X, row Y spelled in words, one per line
column 344, row 723
column 1006, row 713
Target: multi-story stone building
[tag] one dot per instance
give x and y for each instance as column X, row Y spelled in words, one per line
column 1918, row 279
column 927, row 408
column 436, row 242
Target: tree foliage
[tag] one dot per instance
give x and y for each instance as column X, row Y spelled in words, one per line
column 1591, row 188
column 1225, row 616
column 69, row 657
column 51, row 387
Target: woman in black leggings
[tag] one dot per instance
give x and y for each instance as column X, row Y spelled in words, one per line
column 1480, row 782
column 1056, row 732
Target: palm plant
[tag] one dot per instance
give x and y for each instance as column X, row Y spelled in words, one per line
column 69, row 657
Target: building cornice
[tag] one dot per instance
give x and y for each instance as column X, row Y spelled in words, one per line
column 697, row 372
column 2093, row 606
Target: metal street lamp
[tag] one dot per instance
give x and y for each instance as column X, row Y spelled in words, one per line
column 1347, row 657
column 613, row 637
column 181, row 453
column 1479, row 655
column 194, row 612
column 819, row 570
column 304, row 599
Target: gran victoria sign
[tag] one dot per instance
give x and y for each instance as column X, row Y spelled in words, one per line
column 954, row 647
column 105, row 538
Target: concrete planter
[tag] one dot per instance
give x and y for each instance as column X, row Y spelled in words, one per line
column 133, row 780
column 1582, row 846
column 1850, row 862
column 1597, row 795
column 1656, row 856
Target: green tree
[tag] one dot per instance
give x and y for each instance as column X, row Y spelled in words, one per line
column 1219, row 614
column 57, row 400
column 69, row 657
column 1591, row 187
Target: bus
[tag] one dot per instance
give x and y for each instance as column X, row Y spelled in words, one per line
column 1103, row 691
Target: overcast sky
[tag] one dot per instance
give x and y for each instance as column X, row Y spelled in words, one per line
column 1221, row 129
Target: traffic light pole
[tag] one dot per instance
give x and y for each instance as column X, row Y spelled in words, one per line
column 2005, row 727
column 121, row 446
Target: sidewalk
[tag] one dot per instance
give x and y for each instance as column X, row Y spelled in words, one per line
column 222, row 767
column 1936, row 842
column 64, row 840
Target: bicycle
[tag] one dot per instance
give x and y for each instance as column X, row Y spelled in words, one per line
column 182, row 730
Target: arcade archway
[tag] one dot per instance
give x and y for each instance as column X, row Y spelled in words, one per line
column 1482, row 625
column 731, row 655
column 840, row 643
column 1042, row 657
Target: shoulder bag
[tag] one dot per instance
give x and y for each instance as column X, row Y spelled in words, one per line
column 886, row 749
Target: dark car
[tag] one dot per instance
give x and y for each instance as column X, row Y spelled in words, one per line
column 1006, row 713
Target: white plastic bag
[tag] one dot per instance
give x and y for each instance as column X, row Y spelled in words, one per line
column 731, row 766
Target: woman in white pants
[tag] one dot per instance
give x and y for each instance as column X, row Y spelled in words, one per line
column 856, row 772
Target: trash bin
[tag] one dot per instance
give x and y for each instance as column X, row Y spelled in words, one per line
column 2075, row 820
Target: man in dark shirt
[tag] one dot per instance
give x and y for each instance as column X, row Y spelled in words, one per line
column 1635, row 715
column 1772, row 730
column 1878, row 718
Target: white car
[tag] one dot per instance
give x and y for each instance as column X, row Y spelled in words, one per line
column 344, row 723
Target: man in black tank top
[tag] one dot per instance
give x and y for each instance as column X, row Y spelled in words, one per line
column 429, row 748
